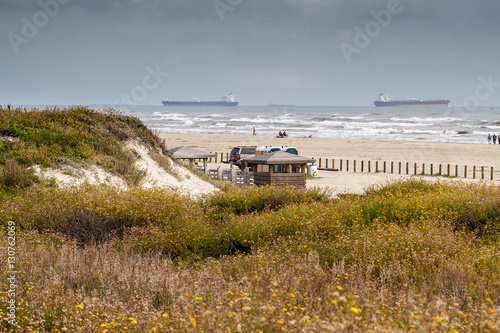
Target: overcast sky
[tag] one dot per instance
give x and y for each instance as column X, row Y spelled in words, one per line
column 303, row 52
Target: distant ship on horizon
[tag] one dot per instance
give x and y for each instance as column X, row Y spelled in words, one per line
column 384, row 100
column 280, row 105
column 227, row 100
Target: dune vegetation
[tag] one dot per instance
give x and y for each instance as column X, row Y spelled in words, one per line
column 76, row 136
column 409, row 256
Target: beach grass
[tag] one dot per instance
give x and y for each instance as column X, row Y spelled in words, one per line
column 75, row 135
column 408, row 256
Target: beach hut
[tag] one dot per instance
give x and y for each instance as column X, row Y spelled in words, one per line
column 279, row 167
column 186, row 153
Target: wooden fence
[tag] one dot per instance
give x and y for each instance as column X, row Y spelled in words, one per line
column 240, row 177
column 407, row 168
column 216, row 158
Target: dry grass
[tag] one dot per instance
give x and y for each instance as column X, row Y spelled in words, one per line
column 401, row 258
column 13, row 176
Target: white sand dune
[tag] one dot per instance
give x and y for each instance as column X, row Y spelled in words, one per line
column 184, row 180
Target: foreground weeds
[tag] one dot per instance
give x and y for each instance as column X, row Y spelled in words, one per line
column 408, row 257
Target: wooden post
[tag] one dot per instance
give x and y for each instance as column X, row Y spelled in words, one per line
column 465, row 171
column 491, row 173
column 448, row 170
column 474, row 172
column 369, row 166
column 440, row 170
column 399, row 168
column 354, row 165
column 432, row 169
column 319, row 166
column 415, row 169
column 326, row 161
column 362, row 165
column 246, row 176
column 482, row 172
column 423, row 168
column 376, row 166
column 456, row 170
column 385, row 169
column 392, row 167
column 407, row 168
column 340, row 164
column 333, row 163
column 347, row 165
column 227, row 157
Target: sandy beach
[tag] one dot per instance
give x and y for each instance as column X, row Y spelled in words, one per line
column 455, row 154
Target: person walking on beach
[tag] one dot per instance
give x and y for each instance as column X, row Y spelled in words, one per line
column 489, row 139
column 495, row 139
column 254, row 131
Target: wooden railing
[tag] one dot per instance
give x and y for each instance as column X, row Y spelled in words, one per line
column 408, row 168
column 240, row 177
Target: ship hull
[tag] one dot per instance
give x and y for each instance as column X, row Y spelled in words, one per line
column 418, row 103
column 200, row 103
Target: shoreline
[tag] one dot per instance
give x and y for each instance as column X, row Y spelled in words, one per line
column 404, row 151
column 459, row 154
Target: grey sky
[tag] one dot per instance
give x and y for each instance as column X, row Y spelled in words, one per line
column 304, row 52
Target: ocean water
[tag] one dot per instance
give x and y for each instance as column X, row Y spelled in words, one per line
column 434, row 124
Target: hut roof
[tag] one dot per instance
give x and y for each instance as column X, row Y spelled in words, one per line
column 279, row 157
column 189, row 153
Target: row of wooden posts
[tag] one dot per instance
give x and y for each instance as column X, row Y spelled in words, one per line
column 392, row 167
column 406, row 168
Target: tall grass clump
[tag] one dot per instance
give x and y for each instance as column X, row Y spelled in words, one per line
column 246, row 200
column 13, row 176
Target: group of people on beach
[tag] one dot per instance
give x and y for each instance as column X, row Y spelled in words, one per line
column 494, row 137
column 282, row 135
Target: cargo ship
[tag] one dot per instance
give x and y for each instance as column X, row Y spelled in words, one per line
column 281, row 105
column 227, row 100
column 384, row 100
